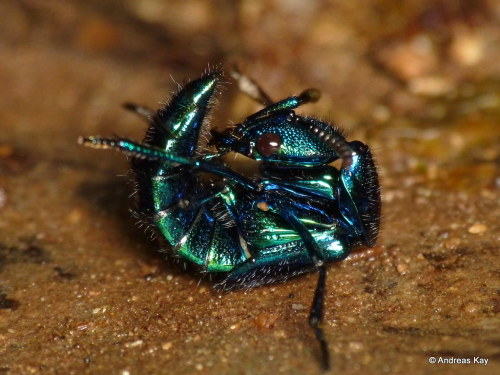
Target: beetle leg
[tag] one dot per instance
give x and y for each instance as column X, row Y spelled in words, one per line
column 292, row 102
column 250, row 87
column 311, row 245
column 316, row 314
column 142, row 151
column 144, row 112
column 316, row 317
column 359, row 195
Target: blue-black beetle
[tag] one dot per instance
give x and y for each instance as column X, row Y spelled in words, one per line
column 298, row 215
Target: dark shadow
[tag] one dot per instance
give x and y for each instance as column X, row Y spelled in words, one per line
column 112, row 197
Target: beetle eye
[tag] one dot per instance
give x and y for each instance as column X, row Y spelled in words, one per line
column 268, row 144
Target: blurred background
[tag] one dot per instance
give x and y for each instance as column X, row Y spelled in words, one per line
column 83, row 291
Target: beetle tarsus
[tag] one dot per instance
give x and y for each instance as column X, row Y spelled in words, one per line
column 143, row 112
column 250, row 87
column 311, row 95
column 97, row 142
column 316, row 317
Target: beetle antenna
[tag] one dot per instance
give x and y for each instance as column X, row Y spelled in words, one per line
column 336, row 141
column 316, row 317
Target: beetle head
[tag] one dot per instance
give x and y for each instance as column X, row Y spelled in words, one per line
column 283, row 138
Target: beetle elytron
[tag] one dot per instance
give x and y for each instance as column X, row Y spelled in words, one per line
column 300, row 214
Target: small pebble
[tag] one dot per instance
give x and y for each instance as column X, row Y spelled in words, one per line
column 355, row 346
column 477, row 229
column 409, row 59
column 452, row 243
column 265, row 320
column 280, row 333
column 166, row 345
column 471, row 307
column 74, row 216
column 402, row 268
column 431, row 85
column 82, row 327
column 133, row 344
column 467, row 47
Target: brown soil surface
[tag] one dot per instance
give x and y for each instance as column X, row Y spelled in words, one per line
column 82, row 291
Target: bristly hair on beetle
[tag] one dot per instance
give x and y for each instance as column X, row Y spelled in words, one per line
column 300, row 214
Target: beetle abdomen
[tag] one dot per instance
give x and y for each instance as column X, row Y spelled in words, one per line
column 181, row 202
column 177, row 126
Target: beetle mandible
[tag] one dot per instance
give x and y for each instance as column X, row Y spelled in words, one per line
column 300, row 214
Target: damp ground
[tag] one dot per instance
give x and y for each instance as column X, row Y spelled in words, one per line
column 83, row 291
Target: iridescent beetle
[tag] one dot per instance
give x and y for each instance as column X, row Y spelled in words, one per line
column 300, row 214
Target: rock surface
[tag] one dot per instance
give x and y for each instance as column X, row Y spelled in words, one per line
column 82, row 291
